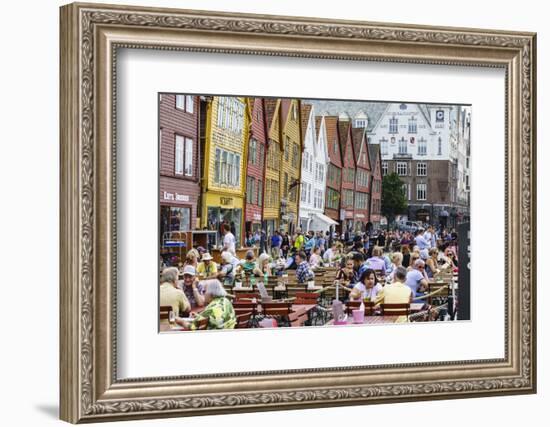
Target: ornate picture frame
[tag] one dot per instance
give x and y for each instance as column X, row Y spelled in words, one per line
column 90, row 37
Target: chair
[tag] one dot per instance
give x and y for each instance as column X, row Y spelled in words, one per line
column 239, row 295
column 297, row 319
column 395, row 309
column 354, row 305
column 203, row 324
column 243, row 320
column 165, row 312
column 280, row 310
column 306, row 298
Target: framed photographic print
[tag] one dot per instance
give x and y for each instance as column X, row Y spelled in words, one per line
column 303, row 212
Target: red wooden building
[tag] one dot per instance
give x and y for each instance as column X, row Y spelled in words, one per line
column 376, row 184
column 362, row 180
column 255, row 172
column 178, row 162
column 348, row 175
column 334, row 172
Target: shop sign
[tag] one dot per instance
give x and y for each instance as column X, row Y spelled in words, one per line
column 257, row 217
column 349, row 214
column 359, row 215
column 226, row 201
column 176, row 197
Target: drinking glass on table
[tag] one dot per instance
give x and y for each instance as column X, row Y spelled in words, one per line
column 172, row 318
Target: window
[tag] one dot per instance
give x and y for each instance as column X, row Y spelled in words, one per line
column 384, row 168
column 294, row 155
column 227, row 168
column 360, row 200
column 285, row 188
column 294, row 112
column 178, row 169
column 439, row 116
column 231, row 114
column 420, row 191
column 189, row 104
column 348, row 198
column 384, row 146
column 401, row 168
column 188, row 157
column 421, row 169
column 422, row 147
column 402, row 146
column 180, row 102
column 250, row 189
column 439, row 144
column 252, row 151
column 304, row 192
column 309, row 193
column 311, row 162
column 407, row 191
column 412, row 125
column 360, row 123
column 287, row 148
column 260, row 192
column 305, row 161
column 393, row 125
column 175, row 218
column 333, row 199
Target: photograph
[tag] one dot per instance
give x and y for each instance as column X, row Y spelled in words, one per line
column 289, row 212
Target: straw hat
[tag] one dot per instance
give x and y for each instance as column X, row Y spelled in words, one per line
column 206, row 257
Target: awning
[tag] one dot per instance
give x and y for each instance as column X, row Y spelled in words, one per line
column 321, row 222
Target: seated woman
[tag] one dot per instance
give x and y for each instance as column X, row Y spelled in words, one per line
column 315, row 259
column 345, row 273
column 367, row 289
column 264, row 266
column 228, row 268
column 219, row 311
column 192, row 258
column 431, row 263
column 397, row 260
column 248, row 265
column 376, row 262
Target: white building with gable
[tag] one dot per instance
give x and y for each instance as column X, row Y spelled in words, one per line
column 314, row 172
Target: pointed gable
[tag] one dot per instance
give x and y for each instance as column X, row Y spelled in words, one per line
column 305, row 112
column 359, row 143
column 374, row 156
column 333, row 139
column 346, row 143
column 272, row 116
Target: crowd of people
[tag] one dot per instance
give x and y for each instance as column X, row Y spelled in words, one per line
column 404, row 260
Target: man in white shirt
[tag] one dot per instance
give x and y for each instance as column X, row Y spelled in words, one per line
column 229, row 242
column 429, row 236
column 421, row 241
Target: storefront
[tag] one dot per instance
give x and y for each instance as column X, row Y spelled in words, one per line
column 178, row 206
column 253, row 224
column 224, row 209
column 270, row 225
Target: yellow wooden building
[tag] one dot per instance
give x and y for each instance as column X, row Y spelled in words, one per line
column 290, row 171
column 272, row 197
column 226, row 129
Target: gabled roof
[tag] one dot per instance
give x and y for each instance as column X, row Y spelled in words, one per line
column 357, row 137
column 373, row 110
column 270, row 110
column 343, row 129
column 305, row 112
column 374, row 153
column 331, row 127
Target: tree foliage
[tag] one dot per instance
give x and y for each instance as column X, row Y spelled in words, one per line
column 393, row 197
